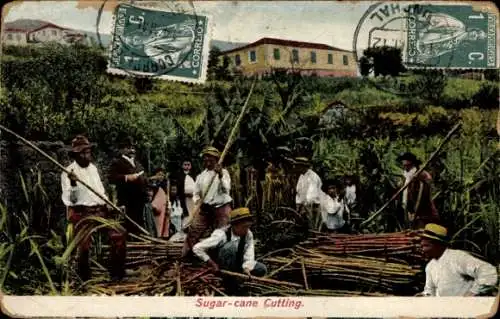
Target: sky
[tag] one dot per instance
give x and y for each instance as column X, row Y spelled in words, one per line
column 327, row 22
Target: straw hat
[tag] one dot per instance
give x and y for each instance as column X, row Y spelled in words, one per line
column 79, row 144
column 240, row 214
column 212, row 151
column 435, row 232
column 302, row 161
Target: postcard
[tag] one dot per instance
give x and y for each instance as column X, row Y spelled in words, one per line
column 244, row 159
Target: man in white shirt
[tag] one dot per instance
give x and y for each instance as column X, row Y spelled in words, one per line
column 307, row 198
column 216, row 205
column 453, row 272
column 232, row 248
column 186, row 187
column 333, row 209
column 82, row 203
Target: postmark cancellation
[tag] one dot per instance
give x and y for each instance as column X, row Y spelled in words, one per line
column 160, row 43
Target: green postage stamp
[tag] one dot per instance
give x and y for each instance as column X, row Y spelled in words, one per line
column 451, row 36
column 157, row 43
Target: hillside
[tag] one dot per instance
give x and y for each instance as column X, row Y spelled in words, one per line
column 225, row 45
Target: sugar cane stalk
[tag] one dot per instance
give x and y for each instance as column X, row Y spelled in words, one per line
column 438, row 149
column 47, row 156
column 228, row 145
column 259, row 279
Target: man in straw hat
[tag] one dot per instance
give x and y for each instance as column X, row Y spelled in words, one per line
column 216, row 205
column 232, row 248
column 417, row 197
column 127, row 174
column 452, row 272
column 82, row 203
column 307, row 198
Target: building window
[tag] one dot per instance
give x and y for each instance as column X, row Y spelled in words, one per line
column 295, row 55
column 330, row 58
column 43, row 32
column 9, row 36
column 18, row 37
column 313, row 57
column 252, row 56
column 54, row 32
column 276, row 54
column 346, row 61
column 237, row 59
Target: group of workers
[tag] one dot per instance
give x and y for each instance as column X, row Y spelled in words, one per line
column 205, row 204
column 144, row 201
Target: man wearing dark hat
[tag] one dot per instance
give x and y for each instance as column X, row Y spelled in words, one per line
column 308, row 190
column 127, row 174
column 452, row 272
column 417, row 197
column 232, row 248
column 82, row 203
column 216, row 202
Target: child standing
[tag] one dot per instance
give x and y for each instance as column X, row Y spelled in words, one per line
column 176, row 213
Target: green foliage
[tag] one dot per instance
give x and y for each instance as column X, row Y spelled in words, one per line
column 432, row 118
column 218, row 66
column 367, row 97
column 432, row 84
column 491, row 75
column 328, row 88
column 487, row 95
column 459, row 93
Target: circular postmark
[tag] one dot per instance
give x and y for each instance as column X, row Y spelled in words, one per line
column 406, row 27
column 158, row 39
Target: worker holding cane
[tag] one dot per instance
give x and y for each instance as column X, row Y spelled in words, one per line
column 216, row 201
column 82, row 205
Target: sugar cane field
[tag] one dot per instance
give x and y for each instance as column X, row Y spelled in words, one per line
column 51, row 93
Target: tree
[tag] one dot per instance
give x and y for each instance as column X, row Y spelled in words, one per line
column 431, row 83
column 383, row 60
column 218, row 65
column 365, row 66
column 491, row 75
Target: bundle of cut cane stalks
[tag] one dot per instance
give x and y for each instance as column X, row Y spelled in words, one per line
column 177, row 281
column 321, row 271
column 325, row 264
column 382, row 263
column 149, row 253
column 403, row 245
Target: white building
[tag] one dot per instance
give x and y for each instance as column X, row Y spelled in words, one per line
column 25, row 31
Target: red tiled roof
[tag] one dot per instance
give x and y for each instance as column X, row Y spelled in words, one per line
column 15, row 30
column 296, row 44
column 28, row 26
column 25, row 25
column 48, row 25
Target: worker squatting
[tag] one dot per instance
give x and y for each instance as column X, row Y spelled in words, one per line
column 249, row 303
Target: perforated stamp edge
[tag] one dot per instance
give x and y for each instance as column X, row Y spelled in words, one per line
column 157, row 6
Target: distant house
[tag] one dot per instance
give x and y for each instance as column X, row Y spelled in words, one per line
column 26, row 31
column 262, row 56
